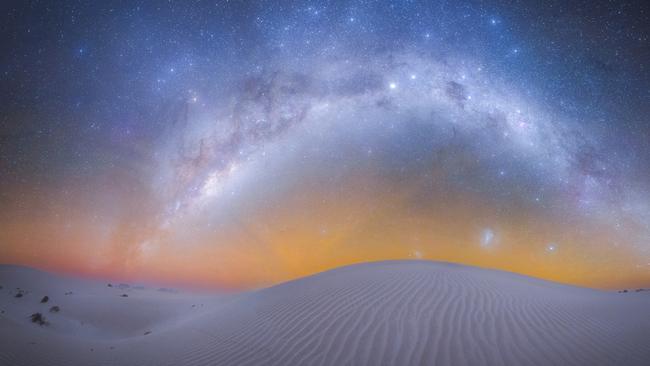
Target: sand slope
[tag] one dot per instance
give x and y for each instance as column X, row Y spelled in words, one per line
column 385, row 313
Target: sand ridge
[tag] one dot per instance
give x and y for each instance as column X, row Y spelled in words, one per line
column 382, row 313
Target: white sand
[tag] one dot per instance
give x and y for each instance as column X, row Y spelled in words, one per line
column 385, row 313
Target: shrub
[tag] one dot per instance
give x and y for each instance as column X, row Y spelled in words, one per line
column 44, row 299
column 38, row 319
column 55, row 309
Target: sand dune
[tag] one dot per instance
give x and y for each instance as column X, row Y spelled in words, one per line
column 384, row 313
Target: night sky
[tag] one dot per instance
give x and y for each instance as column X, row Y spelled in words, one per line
column 240, row 144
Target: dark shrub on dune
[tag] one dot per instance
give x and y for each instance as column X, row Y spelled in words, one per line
column 110, row 285
column 38, row 319
column 45, row 299
column 20, row 294
column 55, row 309
column 124, row 295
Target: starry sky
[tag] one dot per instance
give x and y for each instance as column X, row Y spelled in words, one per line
column 241, row 144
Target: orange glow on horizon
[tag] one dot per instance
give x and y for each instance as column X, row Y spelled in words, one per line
column 312, row 231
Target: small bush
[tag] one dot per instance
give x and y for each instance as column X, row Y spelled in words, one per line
column 55, row 309
column 109, row 285
column 38, row 319
column 45, row 299
column 20, row 294
column 124, row 295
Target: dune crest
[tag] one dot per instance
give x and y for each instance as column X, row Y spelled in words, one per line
column 383, row 313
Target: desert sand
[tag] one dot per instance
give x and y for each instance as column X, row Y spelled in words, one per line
column 382, row 313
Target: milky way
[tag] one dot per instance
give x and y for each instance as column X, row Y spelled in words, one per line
column 242, row 145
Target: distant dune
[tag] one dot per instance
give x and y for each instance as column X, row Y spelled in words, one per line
column 383, row 313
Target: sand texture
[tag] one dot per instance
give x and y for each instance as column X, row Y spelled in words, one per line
column 383, row 313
